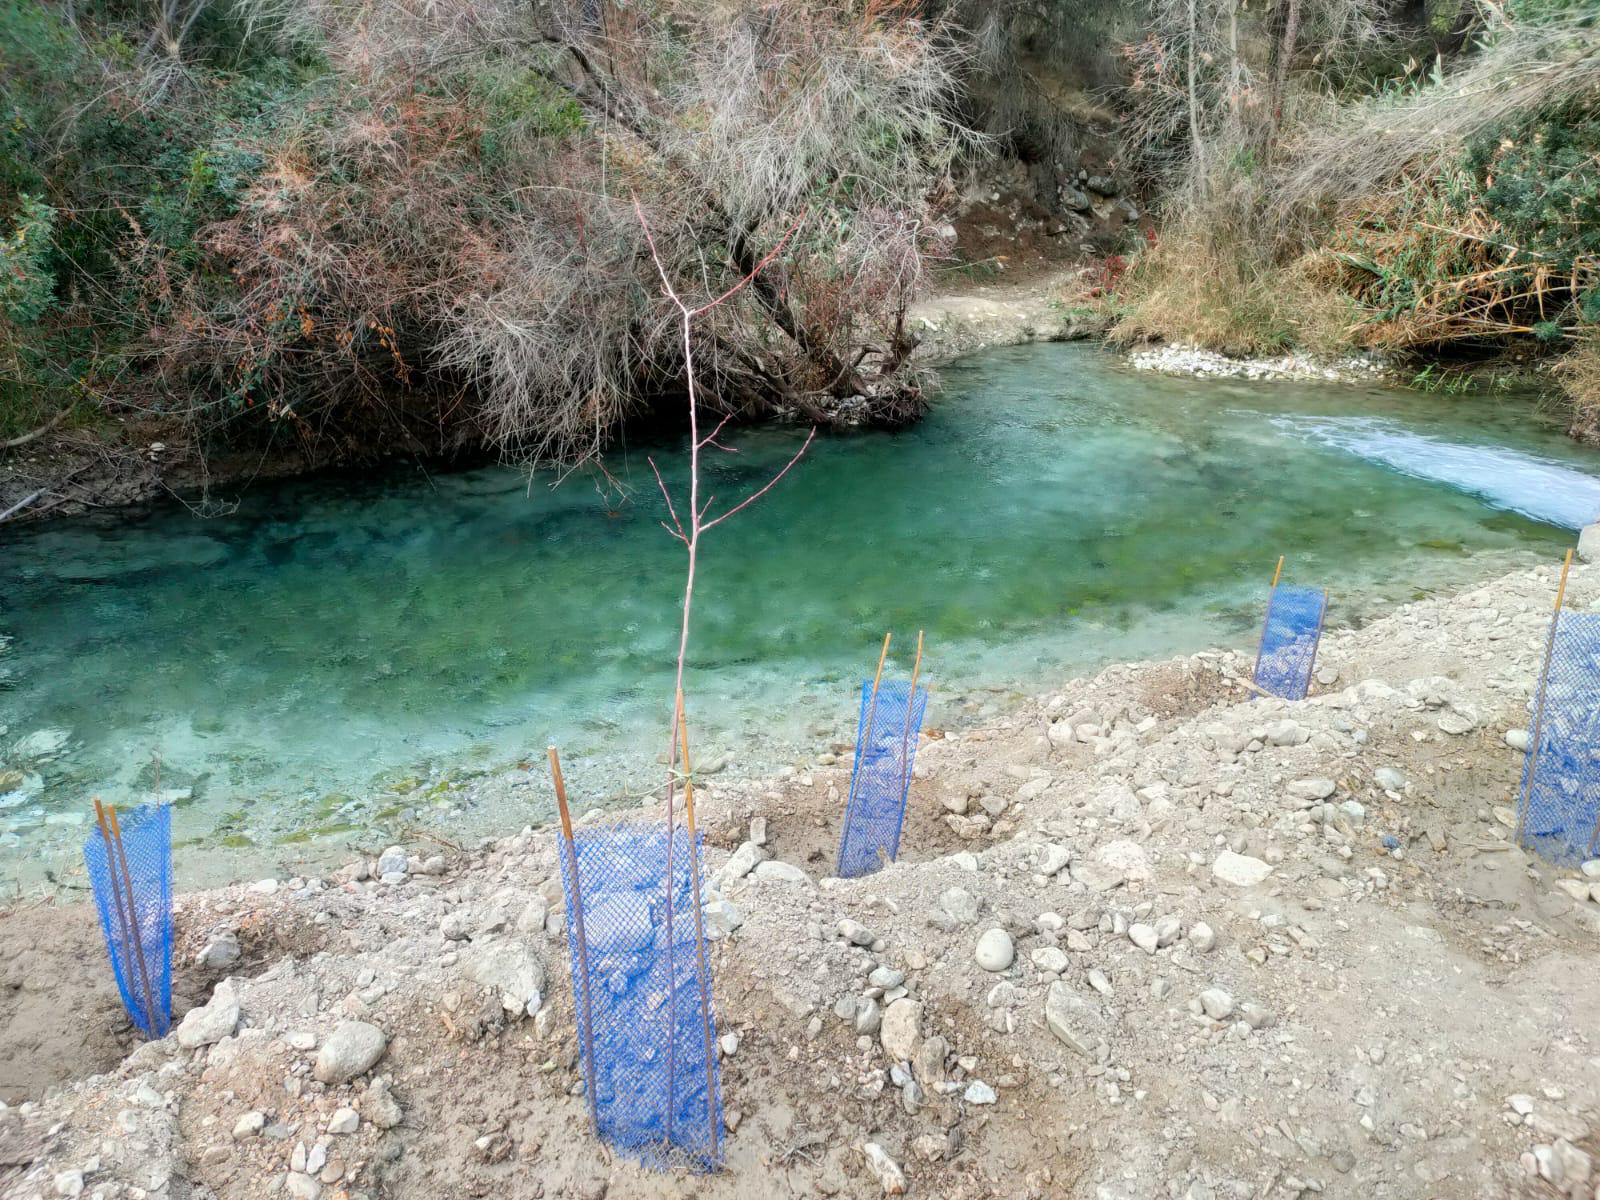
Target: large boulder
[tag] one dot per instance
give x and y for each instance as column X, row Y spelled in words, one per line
column 1589, row 543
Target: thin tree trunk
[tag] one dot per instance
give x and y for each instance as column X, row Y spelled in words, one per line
column 1280, row 74
column 1197, row 144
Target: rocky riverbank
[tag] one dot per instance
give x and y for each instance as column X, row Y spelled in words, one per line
column 1177, row 358
column 1150, row 937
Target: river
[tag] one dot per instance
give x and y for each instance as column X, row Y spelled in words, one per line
column 324, row 665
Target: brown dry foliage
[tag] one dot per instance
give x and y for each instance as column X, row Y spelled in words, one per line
column 1428, row 272
column 451, row 232
column 1579, row 373
column 1199, row 284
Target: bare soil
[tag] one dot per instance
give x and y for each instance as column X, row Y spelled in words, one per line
column 1401, row 1007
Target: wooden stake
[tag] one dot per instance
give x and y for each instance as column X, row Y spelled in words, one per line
column 1316, row 643
column 905, row 738
column 872, row 712
column 576, row 929
column 116, row 893
column 1266, row 621
column 1538, row 714
column 863, row 738
column 699, row 935
column 157, row 1029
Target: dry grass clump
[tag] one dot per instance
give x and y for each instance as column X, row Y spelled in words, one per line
column 1428, row 216
column 1204, row 285
column 1579, row 373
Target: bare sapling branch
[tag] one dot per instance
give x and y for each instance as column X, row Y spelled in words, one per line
column 697, row 520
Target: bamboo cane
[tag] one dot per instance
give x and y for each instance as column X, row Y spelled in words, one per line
column 1538, row 712
column 1266, row 621
column 703, row 972
column 905, row 738
column 1316, row 642
column 123, row 926
column 577, row 929
column 156, row 1029
column 862, row 739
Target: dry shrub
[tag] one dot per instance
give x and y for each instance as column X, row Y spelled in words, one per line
column 1410, row 264
column 1357, row 151
column 1430, row 267
column 1203, row 285
column 1579, row 373
column 454, row 217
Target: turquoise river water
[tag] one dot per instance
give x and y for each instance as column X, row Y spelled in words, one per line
column 313, row 669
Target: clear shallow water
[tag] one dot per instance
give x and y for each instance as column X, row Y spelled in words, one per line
column 313, row 668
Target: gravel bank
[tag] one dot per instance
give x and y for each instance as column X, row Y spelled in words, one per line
column 1149, row 937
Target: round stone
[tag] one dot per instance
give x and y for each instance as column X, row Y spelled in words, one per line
column 995, row 951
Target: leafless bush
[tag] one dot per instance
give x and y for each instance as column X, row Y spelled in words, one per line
column 1204, row 99
column 469, row 219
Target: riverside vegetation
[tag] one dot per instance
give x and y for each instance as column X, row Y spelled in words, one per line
column 359, row 227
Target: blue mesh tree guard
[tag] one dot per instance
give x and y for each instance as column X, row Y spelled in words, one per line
column 881, row 779
column 643, row 995
column 1289, row 641
column 1558, row 815
column 133, row 891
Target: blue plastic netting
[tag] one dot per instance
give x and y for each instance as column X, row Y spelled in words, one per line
column 881, row 778
column 1289, row 641
column 136, row 912
column 645, row 1018
column 1559, row 813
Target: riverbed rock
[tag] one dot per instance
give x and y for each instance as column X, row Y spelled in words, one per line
column 1240, row 869
column 884, row 1169
column 380, row 1106
column 959, row 904
column 41, row 744
column 1287, row 733
column 1312, row 789
column 1075, row 1020
column 901, row 1028
column 344, row 1121
column 1050, row 958
column 213, row 1021
column 220, row 952
column 722, row 917
column 393, row 861
column 352, row 1049
column 995, row 951
column 742, row 862
column 855, row 933
column 513, row 971
column 781, row 872
column 1390, row 779
column 1589, row 543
